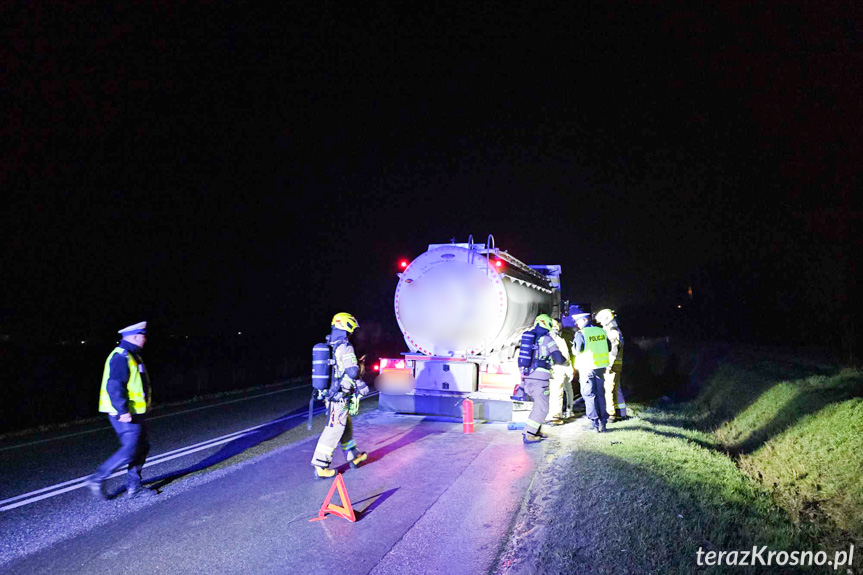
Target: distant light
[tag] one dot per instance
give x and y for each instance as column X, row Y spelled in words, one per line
column 680, row 307
column 239, row 333
column 376, row 367
column 83, row 341
column 498, row 263
column 403, row 264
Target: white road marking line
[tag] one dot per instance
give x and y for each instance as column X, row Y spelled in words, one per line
column 7, row 448
column 73, row 484
column 155, row 459
column 34, row 496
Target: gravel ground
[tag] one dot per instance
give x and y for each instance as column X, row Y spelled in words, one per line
column 521, row 553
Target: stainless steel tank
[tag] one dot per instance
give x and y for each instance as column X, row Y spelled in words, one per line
column 457, row 300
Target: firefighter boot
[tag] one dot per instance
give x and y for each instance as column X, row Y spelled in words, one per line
column 355, row 458
column 323, row 472
column 529, row 438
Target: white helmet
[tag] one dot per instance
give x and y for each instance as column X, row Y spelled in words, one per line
column 605, row 316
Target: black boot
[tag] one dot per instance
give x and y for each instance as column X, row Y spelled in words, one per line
column 139, row 492
column 97, row 487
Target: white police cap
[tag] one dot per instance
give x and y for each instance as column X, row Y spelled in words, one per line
column 134, row 329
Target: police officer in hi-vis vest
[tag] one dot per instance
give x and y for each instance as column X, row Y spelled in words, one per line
column 124, row 396
column 590, row 352
column 342, row 399
column 538, row 376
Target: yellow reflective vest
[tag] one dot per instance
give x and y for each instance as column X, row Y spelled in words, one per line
column 134, row 387
column 595, row 353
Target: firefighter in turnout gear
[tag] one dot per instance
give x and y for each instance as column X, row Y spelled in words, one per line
column 561, row 380
column 538, row 375
column 614, row 400
column 342, row 399
column 590, row 353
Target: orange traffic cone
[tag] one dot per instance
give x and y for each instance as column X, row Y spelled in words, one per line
column 345, row 511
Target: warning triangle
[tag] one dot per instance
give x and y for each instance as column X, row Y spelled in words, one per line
column 345, row 510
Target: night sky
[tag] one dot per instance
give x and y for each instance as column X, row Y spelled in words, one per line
column 215, row 168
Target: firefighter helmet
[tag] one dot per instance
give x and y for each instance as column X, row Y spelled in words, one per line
column 605, row 316
column 544, row 321
column 345, row 321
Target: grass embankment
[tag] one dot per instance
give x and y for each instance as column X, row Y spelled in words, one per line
column 769, row 454
column 797, row 429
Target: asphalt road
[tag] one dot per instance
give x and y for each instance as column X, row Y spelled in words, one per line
column 430, row 499
column 35, row 460
column 48, row 460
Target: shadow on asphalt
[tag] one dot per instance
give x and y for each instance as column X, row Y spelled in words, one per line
column 116, row 494
column 378, row 499
column 269, row 431
column 412, row 436
column 241, row 444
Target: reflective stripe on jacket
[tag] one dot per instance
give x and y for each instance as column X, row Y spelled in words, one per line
column 345, row 358
column 615, row 342
column 545, row 346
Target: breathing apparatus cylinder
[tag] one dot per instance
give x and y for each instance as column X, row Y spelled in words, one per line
column 321, row 362
column 526, row 350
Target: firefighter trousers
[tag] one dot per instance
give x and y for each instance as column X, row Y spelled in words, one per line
column 614, row 401
column 559, row 383
column 339, row 428
column 538, row 391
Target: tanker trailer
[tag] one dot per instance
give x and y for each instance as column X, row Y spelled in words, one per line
column 462, row 308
